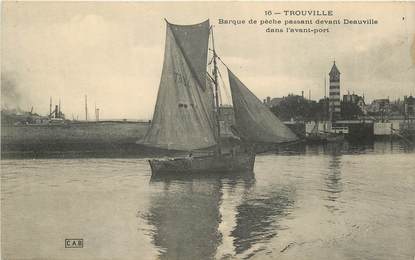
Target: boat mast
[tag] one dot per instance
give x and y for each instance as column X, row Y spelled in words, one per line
column 86, row 108
column 215, row 82
column 325, row 104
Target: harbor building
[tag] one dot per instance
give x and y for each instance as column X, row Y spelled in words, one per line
column 353, row 99
column 334, row 93
column 380, row 106
column 409, row 106
column 272, row 102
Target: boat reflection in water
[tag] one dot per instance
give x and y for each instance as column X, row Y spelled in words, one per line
column 214, row 215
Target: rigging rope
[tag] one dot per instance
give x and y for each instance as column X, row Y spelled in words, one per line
column 220, row 75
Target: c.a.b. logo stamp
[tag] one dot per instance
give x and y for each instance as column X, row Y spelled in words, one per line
column 74, row 243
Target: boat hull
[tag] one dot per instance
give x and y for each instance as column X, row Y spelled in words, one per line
column 204, row 164
column 325, row 138
column 335, row 138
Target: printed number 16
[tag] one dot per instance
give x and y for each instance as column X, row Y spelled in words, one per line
column 268, row 12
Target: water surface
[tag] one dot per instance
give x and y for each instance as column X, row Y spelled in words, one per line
column 306, row 202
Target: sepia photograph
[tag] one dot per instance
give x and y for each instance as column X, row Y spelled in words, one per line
column 207, row 130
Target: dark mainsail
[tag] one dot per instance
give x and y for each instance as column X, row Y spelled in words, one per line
column 182, row 118
column 254, row 121
column 193, row 41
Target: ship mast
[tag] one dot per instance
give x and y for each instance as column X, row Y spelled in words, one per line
column 325, row 104
column 86, row 108
column 215, row 82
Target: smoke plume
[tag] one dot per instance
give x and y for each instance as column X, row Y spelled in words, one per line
column 11, row 96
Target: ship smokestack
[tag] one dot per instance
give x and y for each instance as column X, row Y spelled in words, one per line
column 97, row 114
column 56, row 111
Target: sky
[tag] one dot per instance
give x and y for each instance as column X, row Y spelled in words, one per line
column 113, row 52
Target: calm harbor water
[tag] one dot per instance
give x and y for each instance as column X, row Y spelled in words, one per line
column 310, row 202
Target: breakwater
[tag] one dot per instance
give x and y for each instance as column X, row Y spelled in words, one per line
column 72, row 137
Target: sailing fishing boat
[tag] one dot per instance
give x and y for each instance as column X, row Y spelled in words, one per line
column 186, row 116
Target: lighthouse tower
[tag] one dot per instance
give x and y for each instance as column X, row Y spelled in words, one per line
column 334, row 93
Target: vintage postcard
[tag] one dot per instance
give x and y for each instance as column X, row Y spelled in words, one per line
column 207, row 130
